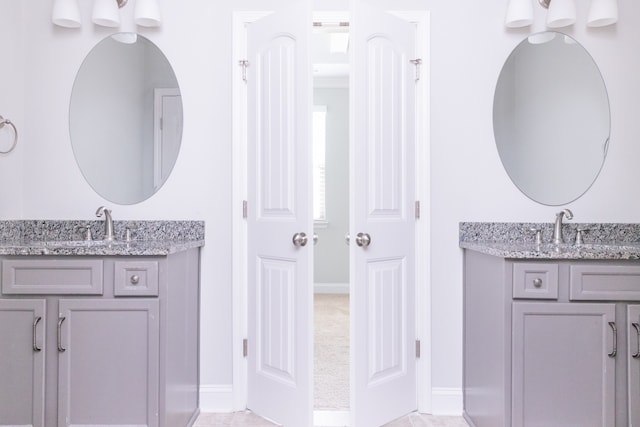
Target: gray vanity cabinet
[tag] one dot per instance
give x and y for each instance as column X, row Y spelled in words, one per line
column 550, row 343
column 108, row 359
column 116, row 343
column 633, row 339
column 562, row 374
column 22, row 361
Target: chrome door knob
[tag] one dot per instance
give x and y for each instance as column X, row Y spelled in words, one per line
column 363, row 240
column 300, row 239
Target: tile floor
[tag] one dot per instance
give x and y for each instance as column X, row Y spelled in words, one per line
column 247, row 419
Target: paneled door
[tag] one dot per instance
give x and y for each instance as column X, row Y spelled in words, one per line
column 279, row 217
column 633, row 340
column 382, row 225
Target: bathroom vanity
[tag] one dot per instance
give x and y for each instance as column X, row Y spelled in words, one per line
column 100, row 333
column 551, row 332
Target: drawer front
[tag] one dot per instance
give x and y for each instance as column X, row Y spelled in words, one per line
column 136, row 278
column 52, row 276
column 604, row 282
column 535, row 280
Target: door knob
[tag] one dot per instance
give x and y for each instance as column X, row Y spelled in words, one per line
column 300, row 239
column 363, row 240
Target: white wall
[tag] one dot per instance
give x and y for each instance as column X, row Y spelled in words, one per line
column 469, row 44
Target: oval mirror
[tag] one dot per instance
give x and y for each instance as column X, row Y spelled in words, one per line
column 125, row 118
column 551, row 118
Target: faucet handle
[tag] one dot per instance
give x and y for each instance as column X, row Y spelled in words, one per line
column 86, row 231
column 538, row 232
column 579, row 232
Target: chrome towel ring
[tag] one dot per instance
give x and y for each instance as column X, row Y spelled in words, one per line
column 3, row 122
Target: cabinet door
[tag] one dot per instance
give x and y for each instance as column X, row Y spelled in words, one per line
column 22, row 331
column 633, row 328
column 108, row 362
column 563, row 365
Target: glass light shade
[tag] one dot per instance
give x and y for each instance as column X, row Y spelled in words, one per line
column 519, row 14
column 561, row 13
column 147, row 13
column 106, row 13
column 66, row 13
column 602, row 13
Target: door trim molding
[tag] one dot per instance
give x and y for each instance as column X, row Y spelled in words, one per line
column 239, row 226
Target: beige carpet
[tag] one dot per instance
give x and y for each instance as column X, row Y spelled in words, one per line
column 331, row 352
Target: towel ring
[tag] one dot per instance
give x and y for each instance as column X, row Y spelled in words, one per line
column 3, row 122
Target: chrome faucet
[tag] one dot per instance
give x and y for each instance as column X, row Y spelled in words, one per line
column 108, row 222
column 557, row 229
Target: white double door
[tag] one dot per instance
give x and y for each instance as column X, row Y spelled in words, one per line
column 280, row 220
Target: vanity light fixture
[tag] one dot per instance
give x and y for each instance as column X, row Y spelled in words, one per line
column 66, row 13
column 519, row 14
column 562, row 13
column 107, row 12
column 602, row 13
column 147, row 13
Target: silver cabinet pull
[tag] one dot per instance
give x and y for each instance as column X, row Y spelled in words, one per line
column 35, row 333
column 300, row 239
column 537, row 282
column 363, row 240
column 637, row 328
column 315, row 239
column 135, row 279
column 347, row 239
column 60, row 348
column 615, row 339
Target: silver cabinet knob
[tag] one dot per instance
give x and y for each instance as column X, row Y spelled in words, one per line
column 363, row 240
column 300, row 239
column 537, row 282
column 135, row 279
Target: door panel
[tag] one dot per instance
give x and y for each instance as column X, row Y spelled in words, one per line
column 382, row 126
column 563, row 374
column 108, row 362
column 22, row 362
column 633, row 341
column 279, row 283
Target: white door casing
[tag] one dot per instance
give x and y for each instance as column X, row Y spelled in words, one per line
column 382, row 163
column 279, row 194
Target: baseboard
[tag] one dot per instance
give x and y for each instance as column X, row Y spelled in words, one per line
column 331, row 418
column 331, row 288
column 216, row 398
column 446, row 401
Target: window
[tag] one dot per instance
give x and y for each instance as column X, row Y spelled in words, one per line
column 319, row 169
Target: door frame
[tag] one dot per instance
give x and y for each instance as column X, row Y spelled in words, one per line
column 421, row 18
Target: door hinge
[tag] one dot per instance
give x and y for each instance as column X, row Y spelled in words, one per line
column 245, row 209
column 417, row 209
column 417, row 349
column 418, row 64
column 244, row 64
column 245, row 347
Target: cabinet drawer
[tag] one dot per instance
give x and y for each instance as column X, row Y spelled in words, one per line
column 52, row 276
column 604, row 282
column 535, row 280
column 136, row 278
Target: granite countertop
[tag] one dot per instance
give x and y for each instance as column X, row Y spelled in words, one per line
column 515, row 240
column 55, row 237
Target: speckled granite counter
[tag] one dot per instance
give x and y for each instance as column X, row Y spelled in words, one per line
column 57, row 237
column 605, row 241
